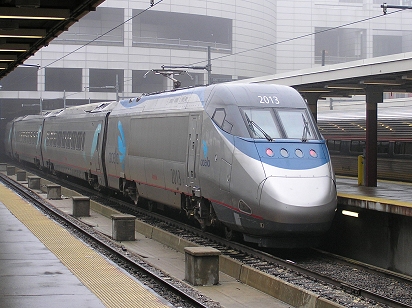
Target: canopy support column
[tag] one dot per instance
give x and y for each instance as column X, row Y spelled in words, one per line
column 374, row 95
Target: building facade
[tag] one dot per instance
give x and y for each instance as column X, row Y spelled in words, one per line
column 116, row 50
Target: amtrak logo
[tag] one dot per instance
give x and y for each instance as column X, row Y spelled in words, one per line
column 205, row 162
column 121, row 144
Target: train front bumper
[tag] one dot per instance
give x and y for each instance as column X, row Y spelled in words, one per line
column 298, row 203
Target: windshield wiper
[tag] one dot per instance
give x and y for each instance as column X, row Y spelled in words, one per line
column 253, row 124
column 305, row 129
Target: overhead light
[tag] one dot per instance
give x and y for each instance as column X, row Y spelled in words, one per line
column 24, row 33
column 314, row 90
column 26, row 13
column 7, row 47
column 8, row 24
column 344, row 87
column 3, row 65
column 27, row 3
column 350, row 213
column 407, row 77
column 7, row 58
column 382, row 82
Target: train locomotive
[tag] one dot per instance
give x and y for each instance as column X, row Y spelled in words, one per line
column 247, row 157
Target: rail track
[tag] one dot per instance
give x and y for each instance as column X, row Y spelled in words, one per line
column 176, row 292
column 345, row 282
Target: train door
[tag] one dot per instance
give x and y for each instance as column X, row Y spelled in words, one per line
column 192, row 151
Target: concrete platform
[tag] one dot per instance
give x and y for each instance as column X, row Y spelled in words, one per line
column 31, row 275
column 388, row 196
column 230, row 292
column 43, row 265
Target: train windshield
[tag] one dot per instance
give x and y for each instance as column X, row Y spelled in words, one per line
column 272, row 124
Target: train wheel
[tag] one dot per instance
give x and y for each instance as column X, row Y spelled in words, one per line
column 231, row 235
column 151, row 205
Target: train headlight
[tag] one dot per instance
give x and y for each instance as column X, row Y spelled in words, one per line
column 313, row 153
column 299, row 153
column 269, row 152
column 284, row 152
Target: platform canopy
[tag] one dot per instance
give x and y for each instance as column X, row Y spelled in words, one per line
column 28, row 25
column 370, row 77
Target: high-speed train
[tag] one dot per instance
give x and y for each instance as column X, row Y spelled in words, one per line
column 345, row 132
column 248, row 157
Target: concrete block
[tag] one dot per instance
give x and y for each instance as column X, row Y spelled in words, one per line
column 33, row 182
column 81, row 206
column 21, row 175
column 202, row 266
column 54, row 191
column 3, row 167
column 123, row 227
column 11, row 170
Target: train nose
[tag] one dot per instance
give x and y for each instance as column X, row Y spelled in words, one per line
column 298, row 199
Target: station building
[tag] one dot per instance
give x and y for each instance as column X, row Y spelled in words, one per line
column 115, row 51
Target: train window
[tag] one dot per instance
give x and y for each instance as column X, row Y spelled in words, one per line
column 296, row 124
column 333, row 145
column 261, row 124
column 357, row 146
column 383, row 147
column 59, row 139
column 403, row 148
column 219, row 117
column 64, row 141
column 83, row 138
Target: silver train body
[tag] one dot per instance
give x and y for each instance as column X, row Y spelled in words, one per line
column 245, row 156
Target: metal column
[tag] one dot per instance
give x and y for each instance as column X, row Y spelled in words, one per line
column 374, row 95
column 312, row 99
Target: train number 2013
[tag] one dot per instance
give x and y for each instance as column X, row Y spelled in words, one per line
column 176, row 179
column 268, row 99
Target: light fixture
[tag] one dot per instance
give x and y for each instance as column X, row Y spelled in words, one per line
column 350, row 213
column 382, row 82
column 344, row 87
column 27, row 13
column 407, row 77
column 8, row 47
column 314, row 90
column 24, row 33
column 3, row 66
column 7, row 58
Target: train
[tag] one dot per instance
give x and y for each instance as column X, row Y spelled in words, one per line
column 345, row 132
column 245, row 158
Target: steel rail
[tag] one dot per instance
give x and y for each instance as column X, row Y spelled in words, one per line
column 102, row 241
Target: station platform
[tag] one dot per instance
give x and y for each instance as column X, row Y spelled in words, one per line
column 388, row 196
column 34, row 274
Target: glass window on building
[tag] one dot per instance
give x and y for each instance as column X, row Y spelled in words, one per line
column 386, row 45
column 193, row 79
column 188, row 31
column 148, row 83
column 21, row 79
column 104, row 80
column 63, row 79
column 91, row 28
column 339, row 45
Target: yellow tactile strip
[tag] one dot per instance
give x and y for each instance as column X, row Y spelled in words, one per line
column 113, row 287
column 376, row 200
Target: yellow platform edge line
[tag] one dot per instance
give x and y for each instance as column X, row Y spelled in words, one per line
column 376, row 200
column 112, row 286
